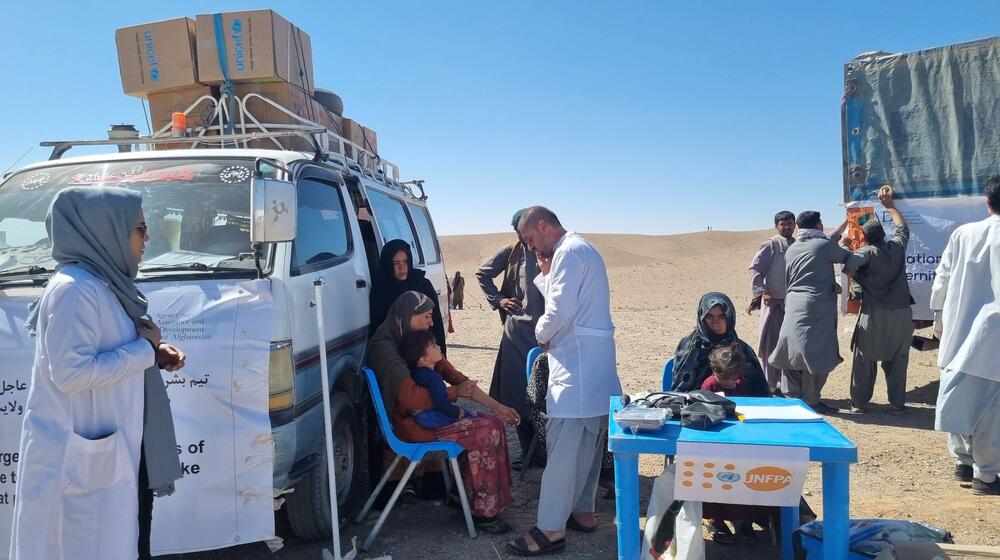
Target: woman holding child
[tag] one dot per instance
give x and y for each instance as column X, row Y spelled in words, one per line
column 716, row 327
column 714, row 358
column 485, row 466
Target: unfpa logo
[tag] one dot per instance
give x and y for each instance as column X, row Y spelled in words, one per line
column 767, row 479
column 724, row 477
column 239, row 58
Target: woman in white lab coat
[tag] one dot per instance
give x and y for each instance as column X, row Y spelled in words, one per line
column 96, row 401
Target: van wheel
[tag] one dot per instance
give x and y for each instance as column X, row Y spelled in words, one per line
column 309, row 505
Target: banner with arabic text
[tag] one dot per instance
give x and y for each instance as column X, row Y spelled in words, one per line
column 219, row 404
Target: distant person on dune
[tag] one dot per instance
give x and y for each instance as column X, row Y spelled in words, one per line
column 458, row 291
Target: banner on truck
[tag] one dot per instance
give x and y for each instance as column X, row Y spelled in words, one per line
column 219, row 404
column 931, row 222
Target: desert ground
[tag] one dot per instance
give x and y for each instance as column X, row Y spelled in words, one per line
column 903, row 471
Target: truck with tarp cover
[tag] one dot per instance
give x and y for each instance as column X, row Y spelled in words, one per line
column 928, row 124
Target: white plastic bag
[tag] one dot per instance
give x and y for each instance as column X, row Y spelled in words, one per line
column 688, row 543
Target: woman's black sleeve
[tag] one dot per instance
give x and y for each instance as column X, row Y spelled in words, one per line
column 439, row 327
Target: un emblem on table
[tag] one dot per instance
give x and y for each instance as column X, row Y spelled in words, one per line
column 728, row 476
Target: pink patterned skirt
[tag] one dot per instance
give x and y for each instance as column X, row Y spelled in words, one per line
column 485, row 465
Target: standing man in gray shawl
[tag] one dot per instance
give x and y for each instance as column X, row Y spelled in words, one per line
column 767, row 280
column 519, row 304
column 885, row 323
column 98, row 438
column 807, row 349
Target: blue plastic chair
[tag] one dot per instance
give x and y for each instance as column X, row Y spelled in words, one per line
column 668, row 374
column 533, row 355
column 415, row 452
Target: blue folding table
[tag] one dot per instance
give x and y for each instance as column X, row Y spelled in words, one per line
column 826, row 445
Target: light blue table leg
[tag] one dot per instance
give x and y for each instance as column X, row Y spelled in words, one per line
column 789, row 523
column 627, row 505
column 836, row 510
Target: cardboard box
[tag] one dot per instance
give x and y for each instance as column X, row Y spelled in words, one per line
column 157, row 56
column 163, row 105
column 358, row 134
column 260, row 46
column 291, row 98
column 372, row 144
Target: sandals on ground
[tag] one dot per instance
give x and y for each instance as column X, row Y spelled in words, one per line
column 575, row 525
column 720, row 532
column 545, row 546
column 491, row 525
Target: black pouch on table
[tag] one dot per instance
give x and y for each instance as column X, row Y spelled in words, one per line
column 702, row 415
column 713, row 398
column 673, row 401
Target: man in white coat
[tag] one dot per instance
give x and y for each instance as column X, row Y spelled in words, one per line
column 966, row 301
column 577, row 332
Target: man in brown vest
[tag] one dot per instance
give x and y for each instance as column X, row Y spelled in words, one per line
column 519, row 304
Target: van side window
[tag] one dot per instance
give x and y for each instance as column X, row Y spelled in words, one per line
column 425, row 231
column 393, row 222
column 322, row 235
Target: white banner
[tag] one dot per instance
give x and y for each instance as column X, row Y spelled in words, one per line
column 759, row 475
column 219, row 404
column 931, row 222
column 18, row 351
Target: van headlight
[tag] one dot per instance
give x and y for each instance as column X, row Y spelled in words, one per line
column 281, row 376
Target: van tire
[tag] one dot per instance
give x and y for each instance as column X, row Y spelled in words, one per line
column 308, row 507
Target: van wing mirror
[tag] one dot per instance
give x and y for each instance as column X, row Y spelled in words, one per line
column 273, row 206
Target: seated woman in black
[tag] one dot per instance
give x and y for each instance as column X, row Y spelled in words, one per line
column 716, row 327
column 716, row 330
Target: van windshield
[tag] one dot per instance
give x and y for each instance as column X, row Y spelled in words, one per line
column 197, row 212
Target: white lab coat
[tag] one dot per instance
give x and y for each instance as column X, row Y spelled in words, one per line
column 577, row 325
column 77, row 494
column 967, row 292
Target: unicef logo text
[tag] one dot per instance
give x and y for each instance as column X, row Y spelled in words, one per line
column 239, row 59
column 150, row 51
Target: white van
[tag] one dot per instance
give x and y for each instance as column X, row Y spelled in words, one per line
column 197, row 204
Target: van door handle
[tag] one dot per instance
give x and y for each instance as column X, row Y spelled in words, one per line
column 360, row 283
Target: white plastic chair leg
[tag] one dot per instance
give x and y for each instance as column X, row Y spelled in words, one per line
column 388, row 506
column 444, row 475
column 465, row 500
column 378, row 490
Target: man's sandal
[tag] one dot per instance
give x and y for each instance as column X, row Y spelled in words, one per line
column 575, row 525
column 545, row 546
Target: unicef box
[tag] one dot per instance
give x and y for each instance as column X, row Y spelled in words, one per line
column 257, row 46
column 157, row 57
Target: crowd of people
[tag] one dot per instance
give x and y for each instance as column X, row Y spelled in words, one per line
column 554, row 294
column 793, row 284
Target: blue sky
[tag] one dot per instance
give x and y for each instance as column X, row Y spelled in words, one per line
column 624, row 117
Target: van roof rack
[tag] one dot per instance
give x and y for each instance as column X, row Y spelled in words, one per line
column 234, row 126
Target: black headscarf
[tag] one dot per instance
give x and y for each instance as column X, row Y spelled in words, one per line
column 386, row 289
column 691, row 359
